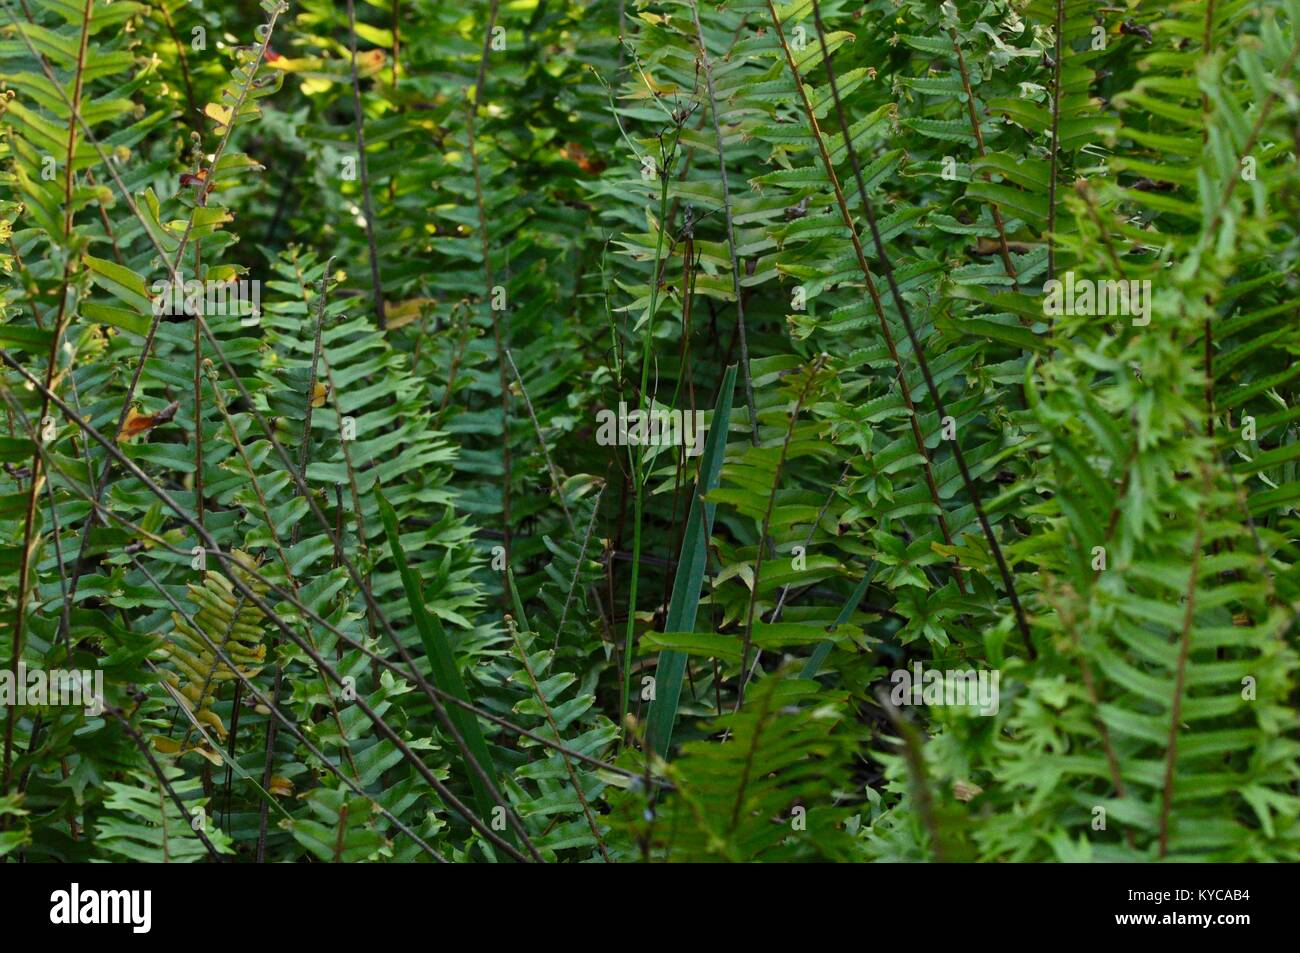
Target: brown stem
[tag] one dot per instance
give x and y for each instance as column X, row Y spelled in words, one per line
column 731, row 227
column 550, row 720
column 1003, row 249
column 377, row 287
column 1056, row 126
column 901, row 305
column 904, row 390
column 33, row 491
column 1176, row 707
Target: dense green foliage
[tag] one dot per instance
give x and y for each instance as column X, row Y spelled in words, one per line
column 365, row 580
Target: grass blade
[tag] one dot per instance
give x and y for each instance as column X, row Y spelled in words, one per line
column 815, row 660
column 688, row 582
column 443, row 664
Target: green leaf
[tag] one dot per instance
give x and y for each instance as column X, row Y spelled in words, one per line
column 446, row 675
column 689, row 579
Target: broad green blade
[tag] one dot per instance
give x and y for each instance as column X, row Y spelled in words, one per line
column 445, row 674
column 846, row 611
column 690, row 573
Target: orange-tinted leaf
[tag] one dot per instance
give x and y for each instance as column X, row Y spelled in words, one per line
column 137, row 423
column 578, row 155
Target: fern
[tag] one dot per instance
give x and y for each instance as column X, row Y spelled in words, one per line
column 473, row 232
column 765, row 793
column 142, row 824
column 222, row 618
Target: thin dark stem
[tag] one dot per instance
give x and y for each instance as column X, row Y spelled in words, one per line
column 234, row 573
column 487, row 51
column 1176, row 706
column 377, row 287
column 162, row 780
column 886, row 334
column 52, row 363
column 1055, row 146
column 901, row 305
column 304, row 456
column 731, row 226
column 170, row 262
column 1003, row 249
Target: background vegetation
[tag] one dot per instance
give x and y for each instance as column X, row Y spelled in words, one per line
column 364, row 585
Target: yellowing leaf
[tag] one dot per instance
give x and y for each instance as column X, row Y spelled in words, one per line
column 221, row 114
column 166, row 745
column 399, row 313
column 370, row 62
